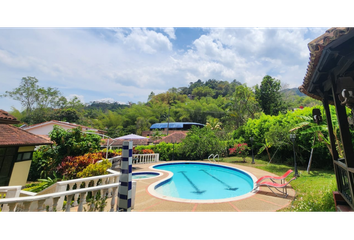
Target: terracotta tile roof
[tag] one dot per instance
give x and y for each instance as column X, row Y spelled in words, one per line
column 6, row 118
column 74, row 125
column 14, row 136
column 46, row 137
column 316, row 47
column 175, row 137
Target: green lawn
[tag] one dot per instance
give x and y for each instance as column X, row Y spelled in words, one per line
column 313, row 190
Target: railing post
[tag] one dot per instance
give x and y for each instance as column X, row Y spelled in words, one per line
column 125, row 188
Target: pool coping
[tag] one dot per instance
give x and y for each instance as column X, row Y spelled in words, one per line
column 151, row 188
column 142, row 172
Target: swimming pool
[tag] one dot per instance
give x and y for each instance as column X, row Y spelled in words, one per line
column 144, row 175
column 202, row 182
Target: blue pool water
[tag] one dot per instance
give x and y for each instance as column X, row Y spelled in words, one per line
column 202, row 181
column 143, row 175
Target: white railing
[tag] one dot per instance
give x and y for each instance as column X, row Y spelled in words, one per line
column 145, row 158
column 116, row 161
column 75, row 191
column 9, row 192
column 24, row 203
column 137, row 159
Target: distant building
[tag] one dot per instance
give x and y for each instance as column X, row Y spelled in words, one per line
column 172, row 127
column 43, row 129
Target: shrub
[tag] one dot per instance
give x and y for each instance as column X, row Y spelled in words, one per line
column 200, row 143
column 41, row 185
column 164, row 150
column 74, row 142
column 70, row 166
column 142, row 150
column 240, row 150
column 70, row 142
column 273, row 132
column 111, row 153
column 95, row 169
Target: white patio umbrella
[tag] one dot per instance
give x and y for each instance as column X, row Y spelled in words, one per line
column 131, row 137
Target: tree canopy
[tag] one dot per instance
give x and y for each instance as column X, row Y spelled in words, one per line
column 232, row 103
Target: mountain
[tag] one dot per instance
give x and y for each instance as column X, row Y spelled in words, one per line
column 293, row 91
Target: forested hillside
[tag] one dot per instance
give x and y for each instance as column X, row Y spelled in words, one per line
column 230, row 103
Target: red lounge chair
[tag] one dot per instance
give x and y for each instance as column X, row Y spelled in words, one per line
column 272, row 178
column 277, row 186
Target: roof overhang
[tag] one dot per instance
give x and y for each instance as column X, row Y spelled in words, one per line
column 331, row 53
column 8, row 121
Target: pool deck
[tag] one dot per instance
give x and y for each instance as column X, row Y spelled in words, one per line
column 263, row 201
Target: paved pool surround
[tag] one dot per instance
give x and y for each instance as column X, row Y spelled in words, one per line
column 261, row 201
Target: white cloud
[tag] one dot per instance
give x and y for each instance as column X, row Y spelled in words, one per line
column 72, row 96
column 250, row 54
column 170, row 32
column 126, row 64
column 147, row 41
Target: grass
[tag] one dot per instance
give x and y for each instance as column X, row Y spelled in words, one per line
column 313, row 189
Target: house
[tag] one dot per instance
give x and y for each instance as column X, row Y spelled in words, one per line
column 171, row 127
column 43, row 129
column 16, row 151
column 330, row 79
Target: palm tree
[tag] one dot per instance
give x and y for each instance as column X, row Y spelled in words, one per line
column 320, row 131
column 213, row 123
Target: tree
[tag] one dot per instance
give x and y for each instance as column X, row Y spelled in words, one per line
column 200, row 143
column 152, row 94
column 73, row 142
column 142, row 124
column 37, row 101
column 32, row 96
column 203, row 91
column 66, row 115
column 213, row 123
column 27, row 93
column 242, row 106
column 269, row 97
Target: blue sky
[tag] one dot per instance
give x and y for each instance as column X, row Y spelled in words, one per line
column 126, row 64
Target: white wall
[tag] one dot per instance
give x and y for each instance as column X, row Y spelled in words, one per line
column 45, row 129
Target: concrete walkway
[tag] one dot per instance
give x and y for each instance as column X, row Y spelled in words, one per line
column 263, row 201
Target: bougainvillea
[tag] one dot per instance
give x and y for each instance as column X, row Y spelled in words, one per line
column 239, row 150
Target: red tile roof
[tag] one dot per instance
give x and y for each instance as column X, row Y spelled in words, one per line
column 14, row 136
column 316, row 47
column 6, row 118
column 175, row 137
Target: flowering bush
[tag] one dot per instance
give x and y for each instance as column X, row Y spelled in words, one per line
column 239, row 150
column 70, row 166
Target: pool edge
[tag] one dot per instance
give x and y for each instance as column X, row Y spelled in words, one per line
column 151, row 189
column 146, row 172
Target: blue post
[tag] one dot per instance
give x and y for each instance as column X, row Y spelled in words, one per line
column 125, row 188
